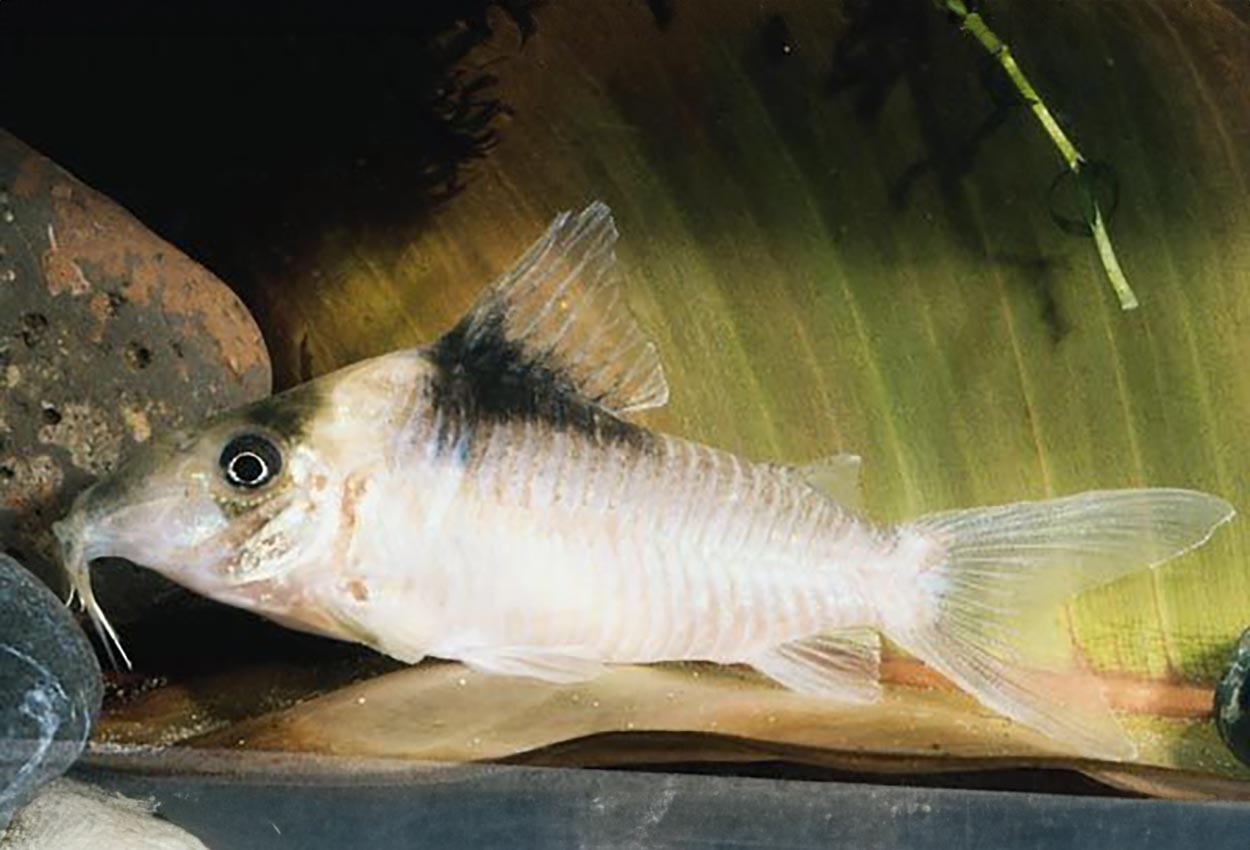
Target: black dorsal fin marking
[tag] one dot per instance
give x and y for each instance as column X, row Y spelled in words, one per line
column 553, row 340
column 561, row 310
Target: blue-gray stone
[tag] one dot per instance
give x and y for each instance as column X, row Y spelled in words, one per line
column 50, row 687
column 1232, row 702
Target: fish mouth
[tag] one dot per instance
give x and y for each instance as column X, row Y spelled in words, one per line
column 71, row 535
column 98, row 527
column 79, row 535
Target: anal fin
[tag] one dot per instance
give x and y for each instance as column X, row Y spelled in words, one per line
column 550, row 665
column 843, row 665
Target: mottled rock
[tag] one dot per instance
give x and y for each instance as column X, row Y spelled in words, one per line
column 50, row 687
column 108, row 334
column 1232, row 702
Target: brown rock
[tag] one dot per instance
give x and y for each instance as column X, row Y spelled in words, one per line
column 108, row 334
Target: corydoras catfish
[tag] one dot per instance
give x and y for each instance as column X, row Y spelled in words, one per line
column 485, row 499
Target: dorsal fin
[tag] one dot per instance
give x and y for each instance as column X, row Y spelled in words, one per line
column 562, row 311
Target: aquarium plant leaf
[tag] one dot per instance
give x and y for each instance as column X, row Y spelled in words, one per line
column 975, row 25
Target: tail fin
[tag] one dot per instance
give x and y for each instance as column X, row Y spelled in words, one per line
column 995, row 583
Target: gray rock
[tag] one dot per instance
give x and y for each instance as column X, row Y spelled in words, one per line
column 1232, row 702
column 50, row 687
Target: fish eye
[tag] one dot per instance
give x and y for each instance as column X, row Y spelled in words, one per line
column 250, row 461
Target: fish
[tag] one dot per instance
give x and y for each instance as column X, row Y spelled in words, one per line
column 491, row 498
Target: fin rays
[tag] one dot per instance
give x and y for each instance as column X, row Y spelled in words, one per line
column 561, row 307
column 842, row 665
column 996, row 580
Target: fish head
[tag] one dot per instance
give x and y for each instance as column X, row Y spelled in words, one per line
column 248, row 504
column 216, row 508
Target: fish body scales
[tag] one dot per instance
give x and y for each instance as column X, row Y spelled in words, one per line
column 660, row 549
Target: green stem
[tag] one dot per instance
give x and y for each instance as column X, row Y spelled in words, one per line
column 973, row 24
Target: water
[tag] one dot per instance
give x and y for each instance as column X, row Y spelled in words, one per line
column 845, row 232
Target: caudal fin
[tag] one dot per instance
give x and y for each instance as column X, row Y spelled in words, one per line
column 995, row 580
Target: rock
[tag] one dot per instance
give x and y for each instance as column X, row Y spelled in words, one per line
column 70, row 815
column 108, row 334
column 1232, row 702
column 50, row 688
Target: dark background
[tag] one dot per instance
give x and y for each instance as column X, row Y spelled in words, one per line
column 235, row 129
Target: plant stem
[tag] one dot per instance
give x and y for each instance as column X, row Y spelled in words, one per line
column 973, row 24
